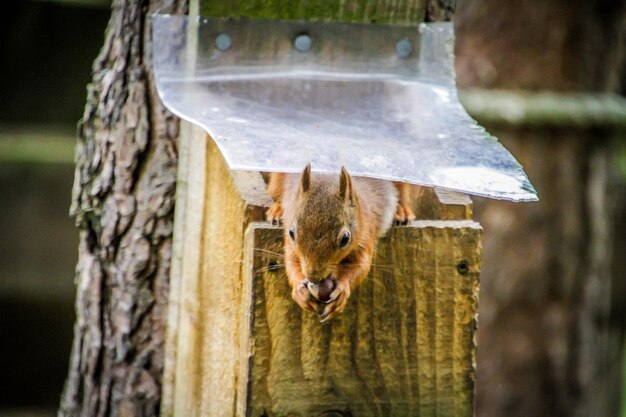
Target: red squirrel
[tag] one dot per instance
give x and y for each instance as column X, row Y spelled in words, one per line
column 332, row 224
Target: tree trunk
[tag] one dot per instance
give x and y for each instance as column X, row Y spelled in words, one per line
column 544, row 340
column 123, row 201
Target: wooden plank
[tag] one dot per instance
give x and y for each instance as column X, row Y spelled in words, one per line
column 404, row 345
column 439, row 204
column 465, row 320
column 181, row 377
column 220, row 287
column 202, row 355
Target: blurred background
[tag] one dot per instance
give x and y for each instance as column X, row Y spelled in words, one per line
column 48, row 48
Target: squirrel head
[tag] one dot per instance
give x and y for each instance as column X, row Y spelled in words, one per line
column 325, row 227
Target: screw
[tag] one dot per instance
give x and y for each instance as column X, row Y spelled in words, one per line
column 463, row 267
column 223, row 42
column 302, row 42
column 404, row 48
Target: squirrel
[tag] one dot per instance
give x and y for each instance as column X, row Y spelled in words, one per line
column 331, row 227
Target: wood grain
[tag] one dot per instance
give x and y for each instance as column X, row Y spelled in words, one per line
column 204, row 320
column 439, row 204
column 404, row 346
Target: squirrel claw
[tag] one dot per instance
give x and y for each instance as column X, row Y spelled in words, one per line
column 330, row 311
column 274, row 214
column 303, row 297
column 404, row 215
column 338, row 300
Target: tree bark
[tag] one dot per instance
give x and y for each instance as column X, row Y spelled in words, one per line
column 123, row 200
column 544, row 338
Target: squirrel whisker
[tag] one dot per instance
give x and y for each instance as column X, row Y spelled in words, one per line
column 269, row 252
column 266, row 268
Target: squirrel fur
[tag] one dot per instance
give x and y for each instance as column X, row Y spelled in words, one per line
column 331, row 226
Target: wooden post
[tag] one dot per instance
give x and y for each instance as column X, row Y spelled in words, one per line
column 237, row 344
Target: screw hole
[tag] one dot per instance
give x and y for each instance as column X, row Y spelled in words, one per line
column 272, row 266
column 463, row 267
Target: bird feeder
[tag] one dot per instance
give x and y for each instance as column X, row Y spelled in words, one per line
column 272, row 96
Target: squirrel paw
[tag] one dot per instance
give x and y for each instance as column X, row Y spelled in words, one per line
column 274, row 214
column 338, row 300
column 404, row 214
column 301, row 295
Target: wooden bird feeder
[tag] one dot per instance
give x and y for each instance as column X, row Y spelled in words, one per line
column 237, row 344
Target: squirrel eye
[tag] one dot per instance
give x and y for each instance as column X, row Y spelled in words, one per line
column 345, row 239
column 292, row 233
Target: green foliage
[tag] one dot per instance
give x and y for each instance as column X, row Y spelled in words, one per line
column 37, row 146
column 381, row 11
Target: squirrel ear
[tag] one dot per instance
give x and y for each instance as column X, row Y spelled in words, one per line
column 305, row 183
column 345, row 185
